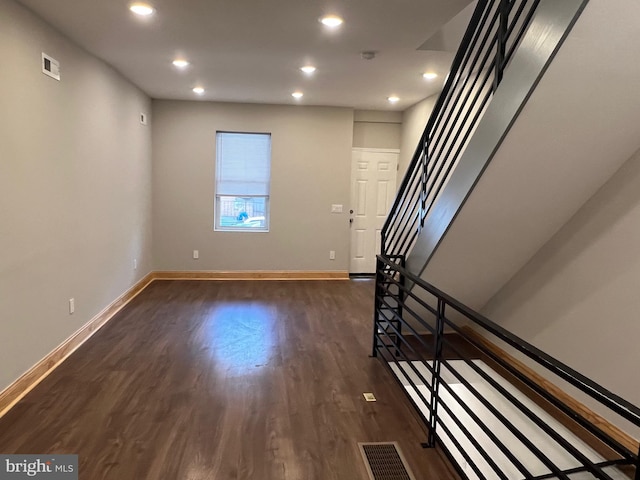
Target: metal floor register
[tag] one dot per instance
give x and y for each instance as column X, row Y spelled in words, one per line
column 384, row 461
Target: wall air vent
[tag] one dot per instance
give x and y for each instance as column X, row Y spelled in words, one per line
column 50, row 66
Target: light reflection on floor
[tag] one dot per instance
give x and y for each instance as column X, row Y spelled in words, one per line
column 241, row 336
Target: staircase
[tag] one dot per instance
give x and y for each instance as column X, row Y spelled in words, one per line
column 577, row 128
column 450, row 225
column 470, row 434
column 491, row 415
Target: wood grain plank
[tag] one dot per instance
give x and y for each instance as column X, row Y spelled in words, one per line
column 26, row 382
column 225, row 380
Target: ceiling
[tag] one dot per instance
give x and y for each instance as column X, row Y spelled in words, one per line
column 251, row 50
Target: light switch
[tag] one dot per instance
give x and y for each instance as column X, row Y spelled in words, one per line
column 336, row 208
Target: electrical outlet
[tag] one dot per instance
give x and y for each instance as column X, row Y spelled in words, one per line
column 196, row 254
column 72, row 306
column 369, row 397
column 332, row 254
column 135, row 263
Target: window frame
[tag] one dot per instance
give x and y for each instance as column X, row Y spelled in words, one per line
column 217, row 216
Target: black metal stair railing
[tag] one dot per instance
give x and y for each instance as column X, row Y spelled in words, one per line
column 420, row 366
column 495, row 30
column 404, row 304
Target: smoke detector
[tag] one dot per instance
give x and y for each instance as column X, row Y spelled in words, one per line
column 368, row 55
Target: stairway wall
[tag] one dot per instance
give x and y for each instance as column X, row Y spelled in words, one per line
column 577, row 298
column 569, row 139
column 491, row 142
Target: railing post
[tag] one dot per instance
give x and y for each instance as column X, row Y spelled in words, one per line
column 401, row 298
column 383, row 241
column 502, row 41
column 376, row 306
column 435, row 380
column 423, row 191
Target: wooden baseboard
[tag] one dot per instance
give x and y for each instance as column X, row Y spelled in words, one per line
column 252, row 275
column 23, row 385
column 602, row 423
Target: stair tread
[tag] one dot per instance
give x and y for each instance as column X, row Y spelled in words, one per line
column 560, row 457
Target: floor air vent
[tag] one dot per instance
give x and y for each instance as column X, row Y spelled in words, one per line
column 384, row 461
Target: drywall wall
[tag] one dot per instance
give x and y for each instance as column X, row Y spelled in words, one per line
column 577, row 298
column 310, row 170
column 414, row 121
column 537, row 179
column 377, row 129
column 75, row 190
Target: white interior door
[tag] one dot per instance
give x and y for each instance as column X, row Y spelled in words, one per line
column 373, row 188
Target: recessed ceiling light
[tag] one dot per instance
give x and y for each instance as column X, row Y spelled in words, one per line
column 331, row 21
column 393, row 99
column 297, row 95
column 308, row 69
column 429, row 75
column 198, row 90
column 142, row 9
column 180, row 63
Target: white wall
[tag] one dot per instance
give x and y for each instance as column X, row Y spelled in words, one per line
column 577, row 298
column 310, row 170
column 377, row 129
column 75, row 197
column 414, row 120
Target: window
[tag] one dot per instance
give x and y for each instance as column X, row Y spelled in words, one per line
column 243, row 169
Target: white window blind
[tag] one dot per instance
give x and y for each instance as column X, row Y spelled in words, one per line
column 243, row 164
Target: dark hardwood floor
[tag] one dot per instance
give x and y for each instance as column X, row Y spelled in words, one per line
column 225, row 380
